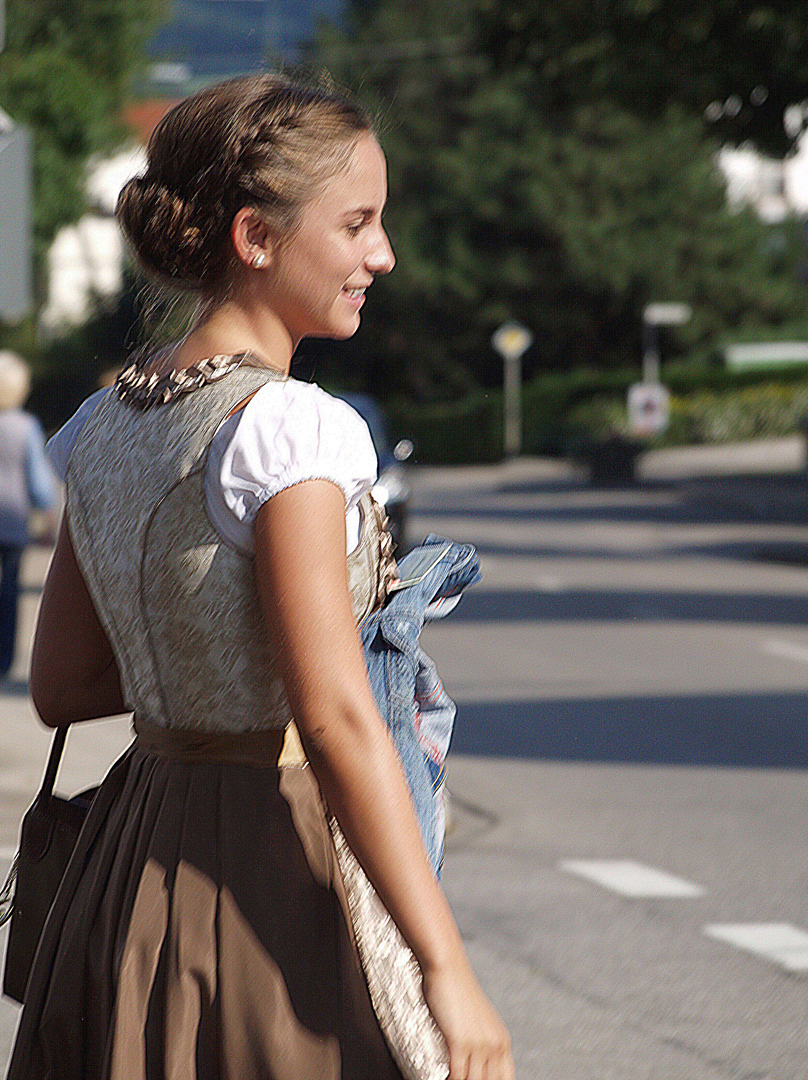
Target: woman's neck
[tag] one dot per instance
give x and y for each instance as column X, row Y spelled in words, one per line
column 230, row 330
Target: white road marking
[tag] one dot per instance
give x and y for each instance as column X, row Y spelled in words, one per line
column 786, row 649
column 631, row 878
column 783, row 943
column 549, row 584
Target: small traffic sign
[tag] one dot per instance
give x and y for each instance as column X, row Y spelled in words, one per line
column 649, row 409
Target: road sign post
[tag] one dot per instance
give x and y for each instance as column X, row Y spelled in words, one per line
column 654, row 316
column 512, row 340
column 649, row 400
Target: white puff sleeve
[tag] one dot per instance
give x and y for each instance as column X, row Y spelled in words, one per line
column 288, row 432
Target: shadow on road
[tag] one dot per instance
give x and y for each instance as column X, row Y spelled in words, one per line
column 588, row 506
column 762, row 728
column 743, row 550
column 749, row 730
column 635, row 605
column 734, row 494
column 774, row 498
column 14, row 687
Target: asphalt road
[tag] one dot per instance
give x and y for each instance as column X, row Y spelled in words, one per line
column 631, row 679
column 629, row 800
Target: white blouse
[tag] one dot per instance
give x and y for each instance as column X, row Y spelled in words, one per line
column 288, row 432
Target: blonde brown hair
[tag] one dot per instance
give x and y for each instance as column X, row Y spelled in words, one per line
column 261, row 141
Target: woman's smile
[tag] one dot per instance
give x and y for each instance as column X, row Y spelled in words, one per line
column 317, row 282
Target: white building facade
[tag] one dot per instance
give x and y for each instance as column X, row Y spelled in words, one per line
column 85, row 261
column 775, row 188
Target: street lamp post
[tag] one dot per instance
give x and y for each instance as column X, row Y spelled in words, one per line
column 512, row 340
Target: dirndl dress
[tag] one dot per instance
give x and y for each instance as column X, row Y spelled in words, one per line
column 212, row 923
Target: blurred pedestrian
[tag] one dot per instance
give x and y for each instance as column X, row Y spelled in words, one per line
column 26, row 483
column 219, row 547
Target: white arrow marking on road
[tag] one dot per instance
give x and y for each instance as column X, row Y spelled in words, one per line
column 787, row 649
column 631, row 878
column 786, row 945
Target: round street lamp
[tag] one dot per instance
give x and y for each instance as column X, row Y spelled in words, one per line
column 512, row 340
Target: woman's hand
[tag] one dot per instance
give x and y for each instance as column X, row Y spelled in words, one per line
column 478, row 1041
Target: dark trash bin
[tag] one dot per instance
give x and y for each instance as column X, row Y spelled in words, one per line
column 611, row 460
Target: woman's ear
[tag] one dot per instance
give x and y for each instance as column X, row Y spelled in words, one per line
column 251, row 239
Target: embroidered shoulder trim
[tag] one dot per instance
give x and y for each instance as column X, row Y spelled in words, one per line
column 137, row 388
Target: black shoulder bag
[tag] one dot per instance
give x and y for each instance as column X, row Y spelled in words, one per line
column 48, row 835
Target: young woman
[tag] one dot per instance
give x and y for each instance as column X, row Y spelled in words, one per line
column 206, row 926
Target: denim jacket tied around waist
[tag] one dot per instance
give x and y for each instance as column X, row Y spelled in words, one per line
column 405, row 682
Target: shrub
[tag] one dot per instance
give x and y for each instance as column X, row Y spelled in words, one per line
column 560, row 412
column 451, row 433
column 767, row 410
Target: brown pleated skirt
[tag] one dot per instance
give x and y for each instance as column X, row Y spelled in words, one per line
column 201, row 933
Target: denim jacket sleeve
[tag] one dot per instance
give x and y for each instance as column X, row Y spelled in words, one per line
column 405, row 682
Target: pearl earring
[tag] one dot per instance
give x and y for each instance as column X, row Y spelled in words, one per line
column 258, row 261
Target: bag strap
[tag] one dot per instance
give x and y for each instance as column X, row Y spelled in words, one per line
column 54, row 759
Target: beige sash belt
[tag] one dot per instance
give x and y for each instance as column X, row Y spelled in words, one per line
column 273, row 747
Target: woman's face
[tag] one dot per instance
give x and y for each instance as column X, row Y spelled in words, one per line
column 318, row 275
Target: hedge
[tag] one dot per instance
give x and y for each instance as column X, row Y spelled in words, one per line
column 451, row 433
column 709, row 404
column 755, row 412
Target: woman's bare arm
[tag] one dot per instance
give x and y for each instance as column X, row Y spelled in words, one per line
column 302, row 580
column 73, row 671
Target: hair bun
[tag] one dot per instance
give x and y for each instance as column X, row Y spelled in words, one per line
column 164, row 231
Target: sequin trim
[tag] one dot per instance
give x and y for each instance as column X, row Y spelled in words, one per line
column 145, row 391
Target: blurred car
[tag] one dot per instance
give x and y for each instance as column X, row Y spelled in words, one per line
column 392, row 488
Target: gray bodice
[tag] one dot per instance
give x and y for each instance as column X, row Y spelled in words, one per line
column 178, row 603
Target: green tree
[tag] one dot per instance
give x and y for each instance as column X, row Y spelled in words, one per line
column 645, row 55
column 65, row 73
column 543, row 167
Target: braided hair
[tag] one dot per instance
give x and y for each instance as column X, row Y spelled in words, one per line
column 261, row 141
